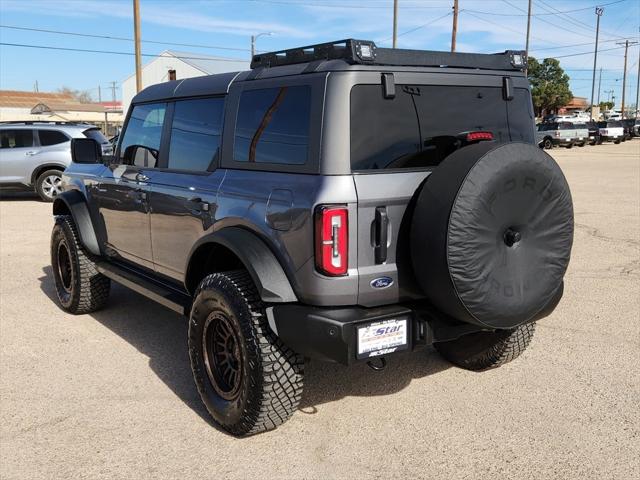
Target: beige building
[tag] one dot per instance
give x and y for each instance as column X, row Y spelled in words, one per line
column 40, row 106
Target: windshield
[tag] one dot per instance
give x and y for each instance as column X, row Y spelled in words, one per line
column 423, row 124
column 96, row 134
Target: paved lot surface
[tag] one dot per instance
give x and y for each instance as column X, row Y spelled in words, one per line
column 110, row 395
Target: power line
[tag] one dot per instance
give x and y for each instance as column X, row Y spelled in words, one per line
column 46, row 47
column 417, row 28
column 545, row 14
column 110, row 37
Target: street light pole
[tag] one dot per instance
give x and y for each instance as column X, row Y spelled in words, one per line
column 136, row 37
column 253, row 41
column 526, row 48
column 599, row 12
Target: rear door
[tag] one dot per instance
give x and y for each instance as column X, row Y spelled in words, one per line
column 396, row 141
column 183, row 197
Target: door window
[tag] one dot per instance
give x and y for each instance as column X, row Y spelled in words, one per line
column 16, row 138
column 51, row 137
column 273, row 126
column 141, row 139
column 195, row 134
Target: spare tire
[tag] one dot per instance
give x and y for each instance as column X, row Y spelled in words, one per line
column 491, row 234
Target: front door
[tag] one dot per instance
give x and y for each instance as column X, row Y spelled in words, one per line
column 124, row 190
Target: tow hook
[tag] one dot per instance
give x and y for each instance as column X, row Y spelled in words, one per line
column 379, row 365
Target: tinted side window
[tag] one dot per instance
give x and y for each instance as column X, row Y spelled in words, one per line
column 195, row 133
column 16, row 138
column 273, row 126
column 141, row 139
column 51, row 137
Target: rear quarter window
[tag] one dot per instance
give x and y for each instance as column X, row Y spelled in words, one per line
column 272, row 126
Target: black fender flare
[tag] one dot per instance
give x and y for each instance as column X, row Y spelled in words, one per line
column 266, row 271
column 75, row 202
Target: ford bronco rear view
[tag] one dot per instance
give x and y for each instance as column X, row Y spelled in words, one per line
column 339, row 202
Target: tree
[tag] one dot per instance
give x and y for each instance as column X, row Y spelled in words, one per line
column 82, row 96
column 604, row 106
column 549, row 85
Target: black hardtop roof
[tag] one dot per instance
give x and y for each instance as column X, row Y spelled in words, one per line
column 343, row 55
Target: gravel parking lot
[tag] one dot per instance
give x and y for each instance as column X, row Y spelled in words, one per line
column 110, row 395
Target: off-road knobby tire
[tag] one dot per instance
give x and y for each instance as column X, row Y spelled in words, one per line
column 272, row 374
column 39, row 188
column 485, row 350
column 89, row 288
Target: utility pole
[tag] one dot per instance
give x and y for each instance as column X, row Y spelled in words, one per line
column 599, row 84
column 136, row 37
column 454, row 30
column 624, row 76
column 395, row 23
column 638, row 86
column 526, row 48
column 99, row 94
column 35, row 87
column 599, row 12
column 113, row 91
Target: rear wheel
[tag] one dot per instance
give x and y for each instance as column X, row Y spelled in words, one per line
column 547, row 144
column 247, row 378
column 49, row 185
column 484, row 350
column 570, row 146
column 617, row 142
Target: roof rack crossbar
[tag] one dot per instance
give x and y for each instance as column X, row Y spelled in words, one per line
column 365, row 52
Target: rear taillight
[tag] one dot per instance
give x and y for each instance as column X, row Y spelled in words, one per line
column 556, row 133
column 332, row 240
column 479, row 136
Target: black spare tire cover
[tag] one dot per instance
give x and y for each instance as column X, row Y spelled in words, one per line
column 491, row 234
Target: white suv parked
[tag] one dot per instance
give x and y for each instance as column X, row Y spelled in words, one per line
column 33, row 155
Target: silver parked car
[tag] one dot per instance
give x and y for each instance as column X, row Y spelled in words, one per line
column 33, row 155
column 550, row 134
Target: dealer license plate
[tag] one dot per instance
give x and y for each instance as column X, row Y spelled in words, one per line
column 381, row 338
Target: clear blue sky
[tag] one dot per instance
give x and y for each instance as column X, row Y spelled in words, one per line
column 484, row 26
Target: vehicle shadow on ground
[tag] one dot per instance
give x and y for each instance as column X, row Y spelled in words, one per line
column 13, row 196
column 161, row 335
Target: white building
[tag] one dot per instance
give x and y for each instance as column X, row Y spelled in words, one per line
column 185, row 64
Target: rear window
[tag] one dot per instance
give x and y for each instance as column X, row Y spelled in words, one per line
column 614, row 124
column 422, row 125
column 273, row 126
column 96, row 134
column 581, row 125
column 51, row 137
column 195, row 134
column 566, row 126
column 16, row 138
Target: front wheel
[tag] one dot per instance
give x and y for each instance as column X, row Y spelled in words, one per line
column 249, row 381
column 484, row 350
column 79, row 286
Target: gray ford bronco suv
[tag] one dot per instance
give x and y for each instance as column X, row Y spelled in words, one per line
column 339, row 202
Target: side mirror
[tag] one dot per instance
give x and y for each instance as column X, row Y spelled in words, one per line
column 85, row 150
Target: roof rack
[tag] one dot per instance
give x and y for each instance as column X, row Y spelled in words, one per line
column 365, row 52
column 40, row 122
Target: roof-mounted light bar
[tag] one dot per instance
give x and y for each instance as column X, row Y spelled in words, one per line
column 365, row 52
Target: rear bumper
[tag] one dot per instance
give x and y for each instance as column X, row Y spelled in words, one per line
column 331, row 334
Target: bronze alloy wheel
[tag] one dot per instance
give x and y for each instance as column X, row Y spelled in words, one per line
column 64, row 266
column 222, row 355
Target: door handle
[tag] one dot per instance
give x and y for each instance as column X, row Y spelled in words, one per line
column 204, row 206
column 31, row 153
column 381, row 229
column 141, row 177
